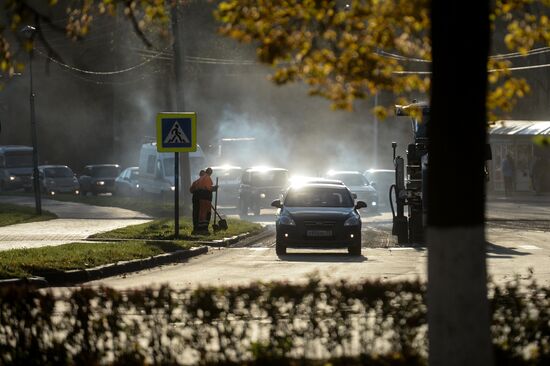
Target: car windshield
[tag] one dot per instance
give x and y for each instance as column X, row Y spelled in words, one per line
column 105, row 171
column 19, row 160
column 269, row 178
column 318, row 197
column 134, row 174
column 351, row 180
column 60, row 172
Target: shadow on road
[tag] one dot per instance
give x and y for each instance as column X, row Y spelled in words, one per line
column 322, row 257
column 497, row 251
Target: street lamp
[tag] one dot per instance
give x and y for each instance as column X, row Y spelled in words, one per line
column 29, row 32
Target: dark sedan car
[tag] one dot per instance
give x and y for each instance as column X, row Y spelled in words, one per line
column 320, row 216
column 259, row 187
column 98, row 178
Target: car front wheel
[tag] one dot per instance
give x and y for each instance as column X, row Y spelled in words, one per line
column 280, row 249
column 256, row 208
column 355, row 249
column 243, row 208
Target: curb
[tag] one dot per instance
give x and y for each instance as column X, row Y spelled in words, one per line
column 37, row 282
column 225, row 242
column 109, row 270
column 211, row 243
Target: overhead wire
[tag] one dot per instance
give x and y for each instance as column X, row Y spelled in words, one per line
column 518, row 68
column 503, row 56
column 163, row 55
column 76, row 69
column 202, row 60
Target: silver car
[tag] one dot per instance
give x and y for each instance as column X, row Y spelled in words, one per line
column 58, row 179
column 358, row 185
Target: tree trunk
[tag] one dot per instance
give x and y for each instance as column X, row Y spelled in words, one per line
column 458, row 312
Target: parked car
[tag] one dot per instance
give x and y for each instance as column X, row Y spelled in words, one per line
column 318, row 215
column 15, row 167
column 358, row 185
column 127, row 182
column 58, row 179
column 98, row 178
column 381, row 180
column 259, row 186
column 229, row 181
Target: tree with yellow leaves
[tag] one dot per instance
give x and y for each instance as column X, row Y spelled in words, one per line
column 352, row 50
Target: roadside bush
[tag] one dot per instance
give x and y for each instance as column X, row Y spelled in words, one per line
column 368, row 323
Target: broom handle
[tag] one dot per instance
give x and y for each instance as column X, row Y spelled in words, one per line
column 216, row 202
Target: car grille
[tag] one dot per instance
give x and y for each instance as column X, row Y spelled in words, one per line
column 319, row 224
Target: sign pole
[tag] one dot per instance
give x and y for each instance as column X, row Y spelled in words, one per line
column 177, row 194
column 177, row 133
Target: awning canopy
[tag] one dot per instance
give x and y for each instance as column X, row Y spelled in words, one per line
column 520, row 128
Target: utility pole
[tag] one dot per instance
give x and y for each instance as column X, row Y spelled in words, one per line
column 177, row 34
column 30, row 31
column 375, row 154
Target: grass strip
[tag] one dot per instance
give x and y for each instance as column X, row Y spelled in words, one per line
column 19, row 263
column 14, row 214
column 163, row 229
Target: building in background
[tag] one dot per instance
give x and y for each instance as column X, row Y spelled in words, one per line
column 532, row 162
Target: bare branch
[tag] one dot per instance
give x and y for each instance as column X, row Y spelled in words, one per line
column 137, row 29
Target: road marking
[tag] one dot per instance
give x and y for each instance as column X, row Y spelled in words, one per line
column 529, row 247
column 402, row 248
column 255, row 249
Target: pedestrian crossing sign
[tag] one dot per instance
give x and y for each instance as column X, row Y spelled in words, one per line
column 177, row 132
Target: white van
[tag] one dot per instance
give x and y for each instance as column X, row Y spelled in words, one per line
column 156, row 169
column 15, row 167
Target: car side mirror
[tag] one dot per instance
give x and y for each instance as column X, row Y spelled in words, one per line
column 373, row 184
column 360, row 204
column 354, row 196
column 277, row 203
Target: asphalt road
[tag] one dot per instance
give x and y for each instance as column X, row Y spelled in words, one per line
column 518, row 236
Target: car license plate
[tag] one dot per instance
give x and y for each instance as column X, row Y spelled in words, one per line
column 318, row 233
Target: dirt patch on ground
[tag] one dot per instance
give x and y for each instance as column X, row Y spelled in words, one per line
column 538, row 225
column 378, row 237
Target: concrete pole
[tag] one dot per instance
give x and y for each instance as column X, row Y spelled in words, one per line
column 177, row 33
column 375, row 144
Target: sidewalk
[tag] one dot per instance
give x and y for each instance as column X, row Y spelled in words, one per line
column 75, row 222
column 519, row 197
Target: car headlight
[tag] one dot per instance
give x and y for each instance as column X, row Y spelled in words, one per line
column 137, row 185
column 373, row 203
column 100, row 183
column 173, row 188
column 286, row 220
column 262, row 195
column 12, row 178
column 353, row 221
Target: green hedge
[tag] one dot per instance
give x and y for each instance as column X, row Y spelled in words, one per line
column 369, row 323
